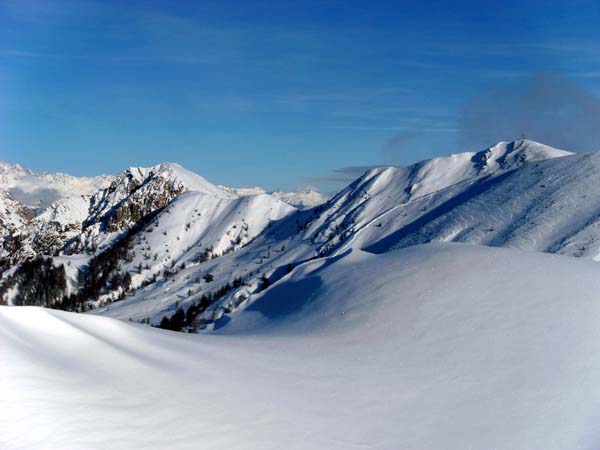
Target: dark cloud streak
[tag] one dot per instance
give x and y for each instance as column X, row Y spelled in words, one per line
column 551, row 109
column 399, row 146
column 343, row 175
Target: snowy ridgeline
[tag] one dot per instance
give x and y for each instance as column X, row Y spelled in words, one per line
column 163, row 245
column 136, row 228
column 520, row 195
column 438, row 347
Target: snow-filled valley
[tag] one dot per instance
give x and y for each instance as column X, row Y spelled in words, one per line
column 449, row 304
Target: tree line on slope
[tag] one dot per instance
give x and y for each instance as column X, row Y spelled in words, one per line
column 40, row 283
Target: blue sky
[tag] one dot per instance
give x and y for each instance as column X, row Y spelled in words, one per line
column 290, row 93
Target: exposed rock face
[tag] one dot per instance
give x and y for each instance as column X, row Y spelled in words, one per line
column 78, row 223
column 60, row 222
column 131, row 197
column 14, row 218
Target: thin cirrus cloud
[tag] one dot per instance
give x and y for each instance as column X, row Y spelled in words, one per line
column 586, row 74
column 22, row 54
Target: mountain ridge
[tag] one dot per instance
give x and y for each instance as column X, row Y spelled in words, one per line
column 161, row 243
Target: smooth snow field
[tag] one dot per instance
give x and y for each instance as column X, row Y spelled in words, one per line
column 433, row 347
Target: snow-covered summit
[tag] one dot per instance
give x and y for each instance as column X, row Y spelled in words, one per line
column 172, row 173
column 377, row 206
column 189, row 180
column 10, row 171
column 434, row 174
column 390, row 194
column 139, row 191
column 510, row 155
column 12, row 213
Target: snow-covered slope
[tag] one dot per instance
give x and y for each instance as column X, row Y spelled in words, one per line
column 442, row 347
column 38, row 190
column 188, row 240
column 83, row 223
column 377, row 207
column 549, row 206
column 197, row 210
column 193, row 229
column 397, row 195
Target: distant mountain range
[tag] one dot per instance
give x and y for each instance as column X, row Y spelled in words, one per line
column 164, row 246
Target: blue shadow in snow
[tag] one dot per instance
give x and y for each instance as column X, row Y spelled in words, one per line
column 290, row 297
column 286, row 299
column 395, row 238
column 221, row 322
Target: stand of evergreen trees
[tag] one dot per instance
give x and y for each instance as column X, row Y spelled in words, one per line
column 41, row 283
column 102, row 274
column 186, row 319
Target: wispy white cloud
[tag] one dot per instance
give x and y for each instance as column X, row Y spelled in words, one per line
column 392, row 128
column 585, row 74
column 23, row 54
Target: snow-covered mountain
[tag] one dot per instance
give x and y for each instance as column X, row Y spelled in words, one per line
column 306, row 198
column 74, row 214
column 363, row 215
column 438, row 347
column 138, row 192
column 162, row 214
column 38, row 190
column 385, row 199
column 166, row 242
column 77, row 223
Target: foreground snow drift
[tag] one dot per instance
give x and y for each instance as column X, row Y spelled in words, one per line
column 430, row 347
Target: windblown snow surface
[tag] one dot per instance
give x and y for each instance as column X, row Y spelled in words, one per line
column 439, row 346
